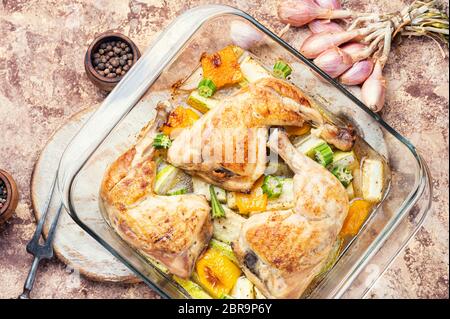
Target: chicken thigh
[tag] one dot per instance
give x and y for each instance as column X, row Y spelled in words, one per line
column 173, row 230
column 281, row 252
column 227, row 146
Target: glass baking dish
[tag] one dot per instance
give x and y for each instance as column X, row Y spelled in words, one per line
column 174, row 56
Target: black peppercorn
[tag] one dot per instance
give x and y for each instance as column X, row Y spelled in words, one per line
column 115, row 62
column 112, row 59
column 3, row 194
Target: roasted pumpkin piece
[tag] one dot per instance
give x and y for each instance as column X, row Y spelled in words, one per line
column 255, row 201
column 298, row 130
column 216, row 273
column 179, row 118
column 357, row 214
column 222, row 67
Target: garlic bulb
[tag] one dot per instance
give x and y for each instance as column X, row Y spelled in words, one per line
column 374, row 89
column 330, row 4
column 318, row 26
column 333, row 61
column 358, row 73
column 300, row 12
column 244, row 35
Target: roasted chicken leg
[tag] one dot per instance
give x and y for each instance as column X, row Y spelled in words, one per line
column 282, row 251
column 227, row 146
column 173, row 230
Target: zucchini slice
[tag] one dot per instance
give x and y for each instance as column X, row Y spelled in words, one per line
column 286, row 199
column 243, row 289
column 200, row 103
column 307, row 145
column 252, row 70
column 224, row 248
column 193, row 289
column 372, row 180
column 343, row 159
column 202, row 188
column 165, row 179
column 228, row 229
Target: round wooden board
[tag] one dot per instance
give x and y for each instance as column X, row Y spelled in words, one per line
column 72, row 245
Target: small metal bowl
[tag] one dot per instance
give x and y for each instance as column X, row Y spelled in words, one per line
column 12, row 197
column 102, row 82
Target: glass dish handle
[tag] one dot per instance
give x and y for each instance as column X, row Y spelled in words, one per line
column 128, row 92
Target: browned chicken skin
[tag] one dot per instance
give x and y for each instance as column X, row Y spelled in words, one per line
column 282, row 251
column 238, row 129
column 174, row 230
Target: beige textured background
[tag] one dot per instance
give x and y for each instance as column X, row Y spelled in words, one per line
column 42, row 83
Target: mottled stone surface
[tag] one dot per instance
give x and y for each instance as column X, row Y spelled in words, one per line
column 42, row 83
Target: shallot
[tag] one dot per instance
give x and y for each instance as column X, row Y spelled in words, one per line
column 300, row 12
column 317, row 43
column 373, row 90
column 318, row 26
column 330, row 4
column 363, row 59
column 244, row 35
column 353, row 47
column 358, row 73
column 333, row 61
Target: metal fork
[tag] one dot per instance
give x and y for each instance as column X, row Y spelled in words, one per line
column 38, row 250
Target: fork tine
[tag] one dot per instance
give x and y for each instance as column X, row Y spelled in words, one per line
column 34, row 242
column 39, row 251
column 51, row 232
